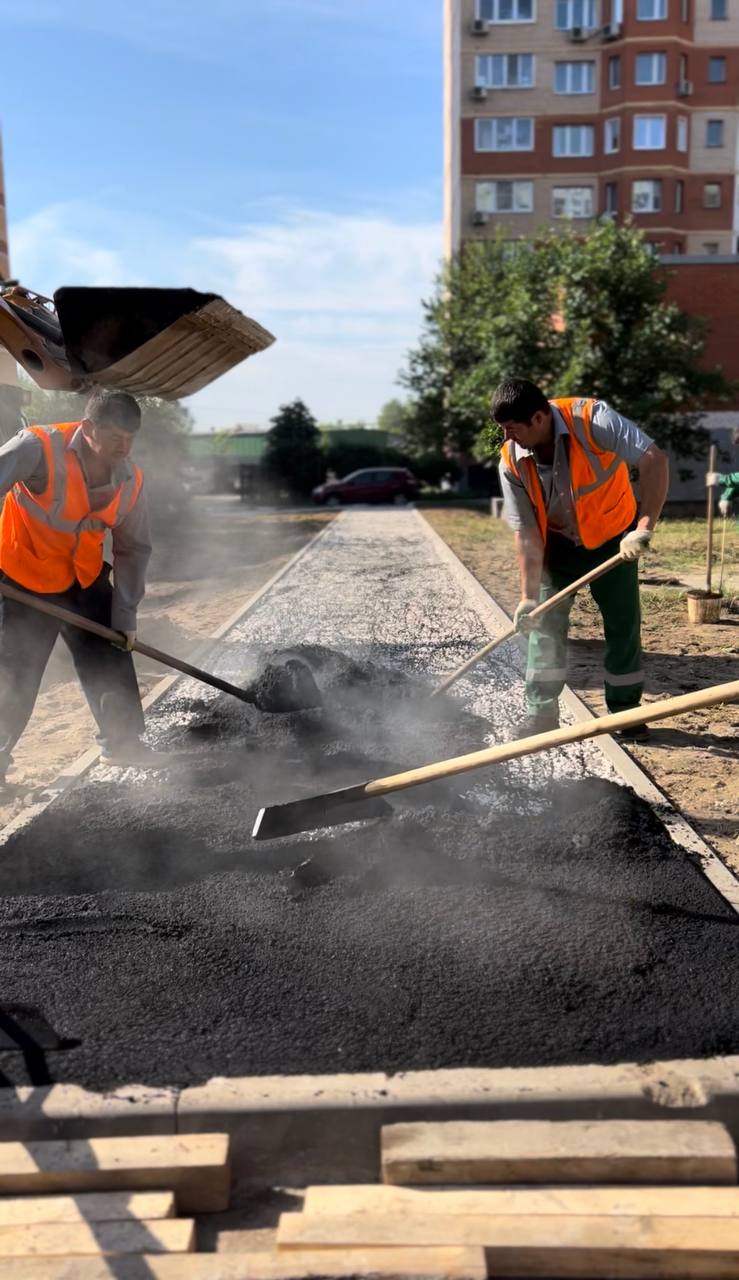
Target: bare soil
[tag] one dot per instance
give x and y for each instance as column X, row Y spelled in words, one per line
column 694, row 758
column 205, row 565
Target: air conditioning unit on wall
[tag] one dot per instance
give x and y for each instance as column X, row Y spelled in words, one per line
column 612, row 31
column 577, row 34
column 684, row 88
column 479, row 93
column 479, row 27
column 479, row 219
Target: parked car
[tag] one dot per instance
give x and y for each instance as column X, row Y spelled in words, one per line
column 375, row 484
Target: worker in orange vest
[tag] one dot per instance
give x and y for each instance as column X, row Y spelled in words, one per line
column 66, row 487
column 567, row 494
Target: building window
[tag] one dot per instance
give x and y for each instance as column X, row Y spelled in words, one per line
column 574, row 77
column 573, row 140
column 714, row 133
column 651, row 10
column 574, row 13
column 682, row 133
column 717, row 70
column 646, row 196
column 572, row 202
column 505, row 133
column 719, row 10
column 651, row 68
column 711, row 247
column 504, row 197
column 679, row 196
column 650, row 133
column 617, row 11
column 611, row 197
column 685, row 10
column 505, row 71
column 614, row 72
column 612, row 135
column 711, row 195
column 506, row 10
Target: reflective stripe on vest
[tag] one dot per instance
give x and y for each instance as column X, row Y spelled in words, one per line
column 126, row 495
column 596, row 522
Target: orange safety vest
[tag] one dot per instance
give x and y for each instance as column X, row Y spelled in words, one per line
column 50, row 540
column 602, row 496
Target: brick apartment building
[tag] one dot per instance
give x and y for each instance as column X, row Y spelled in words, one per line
column 558, row 109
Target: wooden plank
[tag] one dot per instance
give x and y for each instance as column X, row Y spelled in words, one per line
column 68, row 1239
column 390, row 1264
column 194, row 1166
column 571, row 1151
column 681, row 1202
column 536, row 1247
column 107, row 1206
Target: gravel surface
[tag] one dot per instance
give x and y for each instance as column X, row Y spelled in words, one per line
column 536, row 915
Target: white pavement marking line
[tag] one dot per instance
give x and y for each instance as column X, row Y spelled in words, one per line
column 628, row 769
column 74, row 773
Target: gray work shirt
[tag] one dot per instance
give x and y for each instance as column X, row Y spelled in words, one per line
column 22, row 461
column 610, row 430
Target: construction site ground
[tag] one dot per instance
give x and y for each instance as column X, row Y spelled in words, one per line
column 694, row 759
column 536, row 914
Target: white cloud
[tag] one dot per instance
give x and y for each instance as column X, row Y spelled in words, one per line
column 341, row 293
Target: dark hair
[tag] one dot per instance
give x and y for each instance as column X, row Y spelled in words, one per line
column 113, row 409
column 517, row 401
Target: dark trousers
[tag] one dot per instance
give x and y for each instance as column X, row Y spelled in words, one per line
column 617, row 597
column 106, row 674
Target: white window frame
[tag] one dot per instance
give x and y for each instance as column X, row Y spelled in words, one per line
column 497, row 21
column 655, row 206
column 716, row 57
column 681, row 133
column 571, row 76
column 612, row 135
column 494, row 121
column 658, row 64
column 564, row 191
column 614, row 65
column 517, row 186
column 588, row 131
column 617, row 11
column 580, row 13
column 485, row 62
column 659, row 7
column 717, row 186
column 650, row 145
column 715, row 145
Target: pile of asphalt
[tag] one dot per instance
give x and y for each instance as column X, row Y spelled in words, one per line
column 487, row 925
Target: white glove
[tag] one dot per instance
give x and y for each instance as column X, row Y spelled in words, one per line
column 724, row 507
column 635, row 544
column 521, row 621
column 712, row 478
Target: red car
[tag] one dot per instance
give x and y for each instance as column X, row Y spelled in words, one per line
column 375, row 484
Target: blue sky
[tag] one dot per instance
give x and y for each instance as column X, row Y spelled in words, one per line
column 285, row 153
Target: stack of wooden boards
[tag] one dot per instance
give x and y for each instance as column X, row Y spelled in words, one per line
column 602, row 1200
column 606, row 1200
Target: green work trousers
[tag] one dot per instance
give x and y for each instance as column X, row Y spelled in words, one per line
column 617, row 596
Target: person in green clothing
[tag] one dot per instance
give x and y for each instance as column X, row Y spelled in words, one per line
column 564, row 475
column 729, row 482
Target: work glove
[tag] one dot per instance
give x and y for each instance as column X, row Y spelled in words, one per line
column 127, row 641
column 724, row 507
column 635, row 544
column 712, row 478
column 521, row 621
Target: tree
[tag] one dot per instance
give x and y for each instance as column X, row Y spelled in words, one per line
column 393, row 418
column 293, row 452
column 578, row 314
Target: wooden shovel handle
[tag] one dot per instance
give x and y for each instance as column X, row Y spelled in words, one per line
column 661, row 710
column 117, row 637
column 538, row 612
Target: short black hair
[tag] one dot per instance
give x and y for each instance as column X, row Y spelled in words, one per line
column 114, row 409
column 517, row 400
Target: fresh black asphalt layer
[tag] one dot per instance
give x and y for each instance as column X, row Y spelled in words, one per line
column 486, row 927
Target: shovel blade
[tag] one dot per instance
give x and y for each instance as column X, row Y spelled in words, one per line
column 315, row 812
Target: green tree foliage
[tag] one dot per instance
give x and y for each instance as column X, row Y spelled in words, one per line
column 619, row 340
column 393, row 417
column 293, row 454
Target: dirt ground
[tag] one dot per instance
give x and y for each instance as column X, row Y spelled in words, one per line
column 202, row 569
column 695, row 758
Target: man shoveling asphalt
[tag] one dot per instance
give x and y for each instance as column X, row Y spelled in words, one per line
column 65, row 487
column 564, row 472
